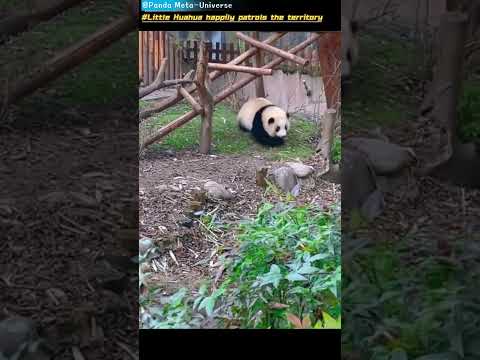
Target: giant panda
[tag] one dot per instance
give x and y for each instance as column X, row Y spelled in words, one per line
column 349, row 48
column 267, row 122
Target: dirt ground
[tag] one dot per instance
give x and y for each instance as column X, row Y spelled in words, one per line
column 189, row 252
column 68, row 186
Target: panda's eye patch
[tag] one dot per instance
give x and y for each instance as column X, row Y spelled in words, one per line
column 277, row 129
column 271, row 121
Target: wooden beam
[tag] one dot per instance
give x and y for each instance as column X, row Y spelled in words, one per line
column 71, row 57
column 165, row 104
column 239, row 68
column 190, row 99
column 276, row 51
column 222, row 95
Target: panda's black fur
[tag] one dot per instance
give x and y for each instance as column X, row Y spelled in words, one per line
column 259, row 133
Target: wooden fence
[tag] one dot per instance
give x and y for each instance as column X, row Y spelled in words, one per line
column 182, row 56
column 154, row 46
column 218, row 53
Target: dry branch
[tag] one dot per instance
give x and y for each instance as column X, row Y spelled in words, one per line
column 144, row 91
column 165, row 104
column 222, row 95
column 190, row 99
column 276, row 51
column 71, row 57
column 239, row 68
column 17, row 23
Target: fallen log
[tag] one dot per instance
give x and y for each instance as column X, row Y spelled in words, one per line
column 222, row 95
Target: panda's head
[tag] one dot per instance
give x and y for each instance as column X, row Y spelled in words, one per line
column 349, row 47
column 275, row 121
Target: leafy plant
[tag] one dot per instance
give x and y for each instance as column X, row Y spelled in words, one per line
column 288, row 265
column 174, row 313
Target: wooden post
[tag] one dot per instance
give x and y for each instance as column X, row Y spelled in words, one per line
column 259, row 86
column 282, row 53
column 329, row 53
column 72, row 56
column 206, row 99
column 151, row 55
column 448, row 82
column 326, row 134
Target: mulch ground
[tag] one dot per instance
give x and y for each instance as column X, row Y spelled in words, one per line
column 68, row 187
column 189, row 251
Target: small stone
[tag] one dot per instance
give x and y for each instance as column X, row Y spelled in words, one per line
column 285, row 178
column 301, row 170
column 217, row 191
column 14, row 333
column 161, row 188
column 144, row 245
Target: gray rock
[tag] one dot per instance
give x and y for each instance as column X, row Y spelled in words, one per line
column 386, row 158
column 144, row 245
column 216, row 191
column 16, row 333
column 373, row 206
column 285, row 178
column 358, row 179
column 301, row 170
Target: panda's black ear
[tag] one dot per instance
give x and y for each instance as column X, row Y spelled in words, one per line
column 288, row 115
column 271, row 121
column 354, row 26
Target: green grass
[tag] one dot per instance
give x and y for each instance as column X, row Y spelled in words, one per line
column 428, row 307
column 111, row 74
column 469, row 110
column 379, row 93
column 229, row 139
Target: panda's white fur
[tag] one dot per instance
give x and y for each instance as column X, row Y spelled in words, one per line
column 267, row 122
column 349, row 47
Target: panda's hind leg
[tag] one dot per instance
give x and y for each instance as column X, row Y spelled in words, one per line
column 241, row 127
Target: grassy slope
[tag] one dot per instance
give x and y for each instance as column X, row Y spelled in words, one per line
column 376, row 278
column 112, row 74
column 229, row 139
